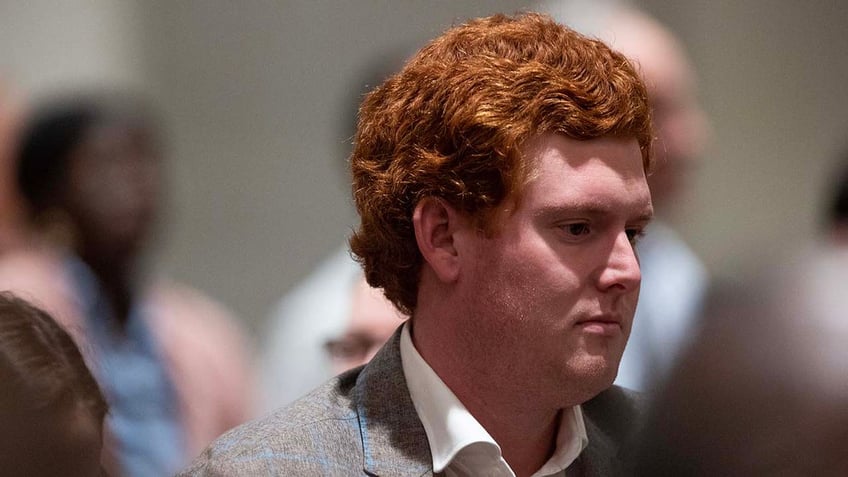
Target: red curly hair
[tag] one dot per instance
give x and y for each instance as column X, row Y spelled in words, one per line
column 452, row 122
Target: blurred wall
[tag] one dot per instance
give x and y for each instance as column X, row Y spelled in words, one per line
column 45, row 46
column 255, row 97
column 774, row 80
column 254, row 94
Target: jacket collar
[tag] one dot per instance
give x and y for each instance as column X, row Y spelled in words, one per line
column 599, row 458
column 393, row 440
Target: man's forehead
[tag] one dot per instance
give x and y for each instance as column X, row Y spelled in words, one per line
column 620, row 154
column 597, row 175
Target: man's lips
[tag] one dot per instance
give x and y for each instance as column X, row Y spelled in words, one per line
column 603, row 325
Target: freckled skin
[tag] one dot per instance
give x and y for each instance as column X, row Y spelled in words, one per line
column 563, row 254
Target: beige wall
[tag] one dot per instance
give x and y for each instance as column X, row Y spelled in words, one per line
column 48, row 46
column 253, row 93
column 774, row 79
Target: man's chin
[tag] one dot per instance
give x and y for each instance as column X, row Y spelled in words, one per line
column 595, row 373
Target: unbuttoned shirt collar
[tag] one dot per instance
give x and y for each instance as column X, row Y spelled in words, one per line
column 459, row 445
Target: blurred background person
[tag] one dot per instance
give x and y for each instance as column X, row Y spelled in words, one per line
column 372, row 320
column 170, row 361
column 330, row 321
column 315, row 311
column 51, row 408
column 763, row 389
column 836, row 212
column 12, row 232
column 674, row 281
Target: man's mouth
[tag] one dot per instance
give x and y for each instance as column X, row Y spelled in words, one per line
column 601, row 325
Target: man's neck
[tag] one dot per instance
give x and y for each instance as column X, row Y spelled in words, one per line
column 527, row 441
column 523, row 424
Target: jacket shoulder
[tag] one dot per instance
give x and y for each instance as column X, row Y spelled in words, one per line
column 318, row 434
column 617, row 412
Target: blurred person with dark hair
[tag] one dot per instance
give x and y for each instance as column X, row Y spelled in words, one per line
column 836, row 219
column 12, row 223
column 170, row 361
column 674, row 281
column 51, row 408
column 500, row 182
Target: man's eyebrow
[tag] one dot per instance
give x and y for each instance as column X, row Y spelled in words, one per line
column 590, row 209
column 646, row 216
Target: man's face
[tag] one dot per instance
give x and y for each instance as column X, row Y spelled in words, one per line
column 114, row 188
column 554, row 289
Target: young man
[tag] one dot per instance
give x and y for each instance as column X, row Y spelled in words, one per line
column 500, row 180
column 674, row 280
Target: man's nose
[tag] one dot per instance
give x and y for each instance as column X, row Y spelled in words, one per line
column 621, row 270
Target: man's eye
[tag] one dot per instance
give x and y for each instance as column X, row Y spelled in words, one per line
column 576, row 230
column 634, row 235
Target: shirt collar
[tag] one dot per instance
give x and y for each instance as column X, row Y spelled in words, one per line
column 450, row 428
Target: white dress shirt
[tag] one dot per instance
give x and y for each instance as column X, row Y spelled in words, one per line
column 460, row 446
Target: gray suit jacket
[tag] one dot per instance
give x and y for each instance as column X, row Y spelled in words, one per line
column 363, row 423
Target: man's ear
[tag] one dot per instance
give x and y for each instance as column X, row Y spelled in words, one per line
column 436, row 223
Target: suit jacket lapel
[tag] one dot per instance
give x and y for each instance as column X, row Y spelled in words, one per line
column 393, row 440
column 600, row 458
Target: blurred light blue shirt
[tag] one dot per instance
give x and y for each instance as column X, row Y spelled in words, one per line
column 143, row 416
